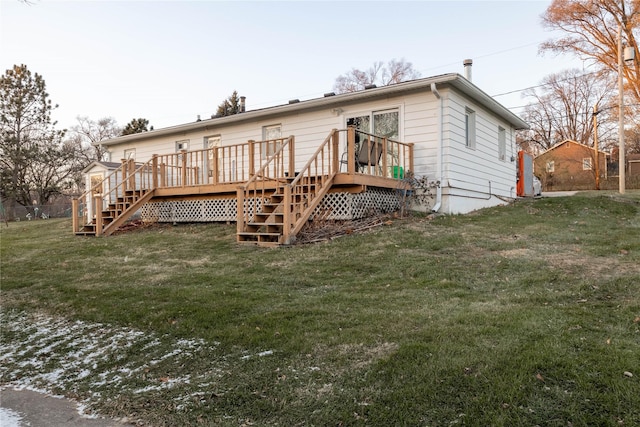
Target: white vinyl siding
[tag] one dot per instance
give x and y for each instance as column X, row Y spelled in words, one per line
column 473, row 174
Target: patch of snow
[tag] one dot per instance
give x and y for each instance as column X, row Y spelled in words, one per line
column 41, row 353
column 10, row 418
column 261, row 354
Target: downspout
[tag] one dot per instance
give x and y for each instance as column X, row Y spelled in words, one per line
column 439, row 172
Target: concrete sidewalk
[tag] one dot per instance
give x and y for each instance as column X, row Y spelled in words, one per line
column 29, row 408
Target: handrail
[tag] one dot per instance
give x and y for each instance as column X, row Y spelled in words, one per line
column 304, row 193
column 272, row 170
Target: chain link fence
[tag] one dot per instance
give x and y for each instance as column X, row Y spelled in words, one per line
column 38, row 212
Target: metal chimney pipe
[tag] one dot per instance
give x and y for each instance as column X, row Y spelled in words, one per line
column 467, row 68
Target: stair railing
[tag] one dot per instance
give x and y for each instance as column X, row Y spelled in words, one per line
column 305, row 192
column 128, row 177
column 83, row 206
column 279, row 164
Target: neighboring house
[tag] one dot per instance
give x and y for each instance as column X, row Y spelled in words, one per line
column 633, row 164
column 570, row 165
column 443, row 128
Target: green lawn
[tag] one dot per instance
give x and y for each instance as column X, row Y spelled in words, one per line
column 527, row 314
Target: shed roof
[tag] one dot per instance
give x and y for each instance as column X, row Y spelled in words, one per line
column 568, row 141
column 106, row 165
column 453, row 80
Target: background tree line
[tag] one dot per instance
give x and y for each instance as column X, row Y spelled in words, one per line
column 563, row 106
column 39, row 163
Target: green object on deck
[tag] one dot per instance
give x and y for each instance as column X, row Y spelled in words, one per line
column 398, row 172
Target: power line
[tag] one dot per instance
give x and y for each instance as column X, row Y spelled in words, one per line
column 545, row 84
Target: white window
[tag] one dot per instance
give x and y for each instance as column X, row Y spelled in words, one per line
column 586, row 163
column 502, row 143
column 270, row 133
column 470, row 128
column 182, row 145
column 130, row 154
column 551, row 166
column 381, row 123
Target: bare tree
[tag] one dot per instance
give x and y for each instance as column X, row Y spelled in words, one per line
column 591, row 29
column 88, row 133
column 563, row 109
column 395, row 71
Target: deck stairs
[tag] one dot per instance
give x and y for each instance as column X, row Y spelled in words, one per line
column 267, row 225
column 274, row 217
column 116, row 213
column 110, row 203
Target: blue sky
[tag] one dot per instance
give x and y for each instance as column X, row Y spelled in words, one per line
column 169, row 61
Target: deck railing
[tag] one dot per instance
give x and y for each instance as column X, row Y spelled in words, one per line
column 256, row 163
column 377, row 155
column 229, row 164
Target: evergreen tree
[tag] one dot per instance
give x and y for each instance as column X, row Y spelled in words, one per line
column 229, row 106
column 136, row 126
column 34, row 164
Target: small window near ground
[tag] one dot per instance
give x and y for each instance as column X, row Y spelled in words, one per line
column 502, row 143
column 586, row 164
column 470, row 128
column 551, row 166
column 182, row 145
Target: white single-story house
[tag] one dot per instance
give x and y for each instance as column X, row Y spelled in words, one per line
column 442, row 128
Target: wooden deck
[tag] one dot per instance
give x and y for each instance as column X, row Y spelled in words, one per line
column 275, row 197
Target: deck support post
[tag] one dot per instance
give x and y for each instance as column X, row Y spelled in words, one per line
column 240, row 215
column 124, row 174
column 97, row 205
column 411, row 144
column 74, row 215
column 292, row 156
column 286, row 218
column 216, row 166
column 184, row 168
column 351, row 150
column 154, row 172
column 385, row 169
column 252, row 152
column 131, row 168
column 335, row 146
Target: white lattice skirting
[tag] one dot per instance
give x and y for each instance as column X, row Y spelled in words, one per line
column 336, row 206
